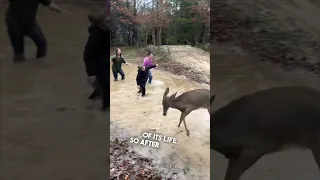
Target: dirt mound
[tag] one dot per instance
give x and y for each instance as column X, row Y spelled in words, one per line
column 285, row 32
column 184, row 60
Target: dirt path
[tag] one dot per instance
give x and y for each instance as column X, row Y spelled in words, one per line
column 49, row 130
column 190, row 158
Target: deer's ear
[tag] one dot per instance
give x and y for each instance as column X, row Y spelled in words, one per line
column 166, row 92
column 173, row 95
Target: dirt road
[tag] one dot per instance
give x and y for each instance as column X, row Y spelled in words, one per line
column 49, row 130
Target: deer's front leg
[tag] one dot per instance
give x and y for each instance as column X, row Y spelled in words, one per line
column 182, row 118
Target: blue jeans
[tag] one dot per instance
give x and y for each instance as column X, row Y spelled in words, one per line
column 115, row 74
column 149, row 76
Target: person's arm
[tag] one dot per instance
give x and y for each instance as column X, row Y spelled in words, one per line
column 150, row 67
column 125, row 62
column 154, row 64
column 52, row 6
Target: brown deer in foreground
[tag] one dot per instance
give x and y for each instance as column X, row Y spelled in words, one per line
column 186, row 102
column 263, row 123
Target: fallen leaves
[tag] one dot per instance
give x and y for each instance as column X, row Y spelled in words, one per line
column 128, row 165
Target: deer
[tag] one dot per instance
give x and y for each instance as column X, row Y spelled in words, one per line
column 266, row 122
column 186, row 103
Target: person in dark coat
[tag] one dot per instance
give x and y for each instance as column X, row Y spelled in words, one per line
column 97, row 55
column 21, row 22
column 142, row 78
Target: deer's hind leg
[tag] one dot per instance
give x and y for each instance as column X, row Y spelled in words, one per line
column 182, row 118
column 237, row 166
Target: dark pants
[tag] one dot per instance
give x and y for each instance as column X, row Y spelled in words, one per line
column 105, row 87
column 102, row 88
column 115, row 74
column 97, row 92
column 17, row 35
column 142, row 88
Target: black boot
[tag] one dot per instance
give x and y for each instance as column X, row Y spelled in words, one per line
column 92, row 96
column 96, row 94
column 19, row 58
column 41, row 54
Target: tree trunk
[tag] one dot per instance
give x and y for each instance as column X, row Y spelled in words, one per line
column 146, row 38
column 154, row 36
column 159, row 36
column 157, row 23
column 135, row 30
column 202, row 34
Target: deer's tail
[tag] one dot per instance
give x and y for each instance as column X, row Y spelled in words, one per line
column 212, row 98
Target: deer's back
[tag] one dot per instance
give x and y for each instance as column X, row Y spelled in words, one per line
column 278, row 116
column 196, row 97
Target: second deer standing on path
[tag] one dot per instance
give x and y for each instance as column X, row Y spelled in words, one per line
column 186, row 103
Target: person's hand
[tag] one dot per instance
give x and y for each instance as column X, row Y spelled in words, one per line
column 65, row 12
column 138, row 86
column 91, row 80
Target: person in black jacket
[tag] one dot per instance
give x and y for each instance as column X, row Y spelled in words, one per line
column 21, row 21
column 142, row 78
column 97, row 55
